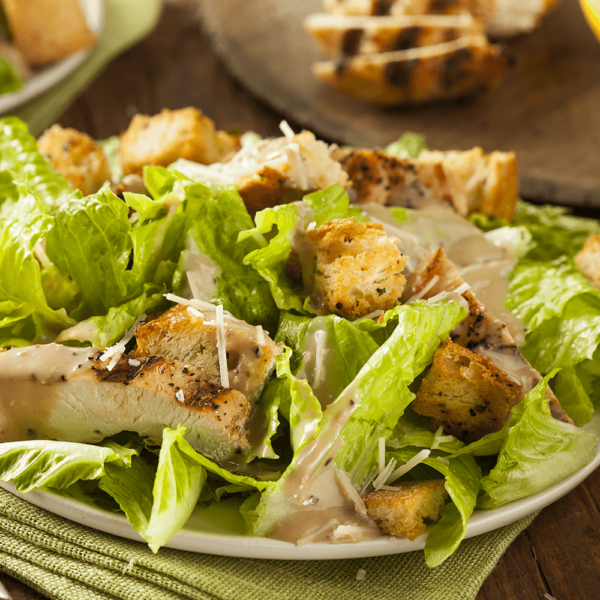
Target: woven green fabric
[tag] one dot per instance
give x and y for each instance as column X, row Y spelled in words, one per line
column 125, row 23
column 67, row 561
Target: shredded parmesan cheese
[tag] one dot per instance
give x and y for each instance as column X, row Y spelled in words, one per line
column 549, row 597
column 260, row 335
column 367, row 482
column 179, row 395
column 360, row 576
column 179, row 191
column 311, row 226
column 413, row 462
column 195, row 312
column 425, row 289
column 117, row 350
column 436, row 438
column 382, row 479
column 437, row 297
column 462, row 288
column 342, row 478
column 134, row 363
column 381, row 454
column 316, row 531
column 221, row 346
column 286, row 130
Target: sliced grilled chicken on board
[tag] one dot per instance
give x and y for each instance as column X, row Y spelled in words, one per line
column 444, row 71
column 346, row 35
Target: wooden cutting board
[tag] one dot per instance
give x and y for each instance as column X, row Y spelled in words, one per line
column 547, row 109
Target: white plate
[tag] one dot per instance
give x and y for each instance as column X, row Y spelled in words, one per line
column 205, row 532
column 44, row 79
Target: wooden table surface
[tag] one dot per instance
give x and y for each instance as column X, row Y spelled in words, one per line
column 559, row 554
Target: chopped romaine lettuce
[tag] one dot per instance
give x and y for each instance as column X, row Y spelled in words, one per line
column 10, row 80
column 408, row 145
column 537, row 452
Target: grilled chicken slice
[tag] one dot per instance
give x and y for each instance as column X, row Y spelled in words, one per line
column 407, row 77
column 480, row 9
column 470, row 180
column 340, row 35
column 182, row 334
column 481, row 332
column 68, row 394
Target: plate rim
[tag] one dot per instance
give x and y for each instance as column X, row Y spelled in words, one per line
column 224, row 543
column 50, row 76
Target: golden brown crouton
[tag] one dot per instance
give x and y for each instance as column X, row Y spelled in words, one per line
column 357, row 268
column 466, row 393
column 77, row 156
column 588, row 260
column 180, row 334
column 163, row 138
column 404, row 511
column 470, row 181
column 46, row 30
column 480, row 331
column 267, row 188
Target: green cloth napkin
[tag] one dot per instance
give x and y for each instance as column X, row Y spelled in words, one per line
column 67, row 561
column 125, row 23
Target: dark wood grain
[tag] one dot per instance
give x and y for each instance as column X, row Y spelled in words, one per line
column 559, row 553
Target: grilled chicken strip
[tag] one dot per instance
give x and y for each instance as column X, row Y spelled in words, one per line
column 341, row 35
column 481, row 332
column 182, row 334
column 456, row 69
column 56, row 392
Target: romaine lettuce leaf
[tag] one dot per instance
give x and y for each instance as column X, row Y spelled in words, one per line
column 554, row 231
column 50, row 464
column 19, row 155
column 212, row 238
column 538, row 452
column 111, row 149
column 377, row 396
column 408, row 145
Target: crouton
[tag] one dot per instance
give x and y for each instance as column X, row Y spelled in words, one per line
column 77, row 156
column 180, row 334
column 466, row 393
column 588, row 260
column 267, row 188
column 403, row 512
column 480, row 331
column 163, row 138
column 357, row 268
column 470, row 181
column 47, row 30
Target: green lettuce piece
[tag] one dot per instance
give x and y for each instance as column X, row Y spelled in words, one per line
column 106, row 330
column 177, row 485
column 270, row 260
column 554, row 231
column 10, row 80
column 537, row 452
column 572, row 396
column 408, row 145
column 379, row 394
column 212, row 237
column 25, row 313
column 20, row 156
column 50, row 464
column 111, row 149
column 463, row 482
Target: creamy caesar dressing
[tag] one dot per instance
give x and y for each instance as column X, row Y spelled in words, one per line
column 23, row 371
column 328, row 508
column 200, row 272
